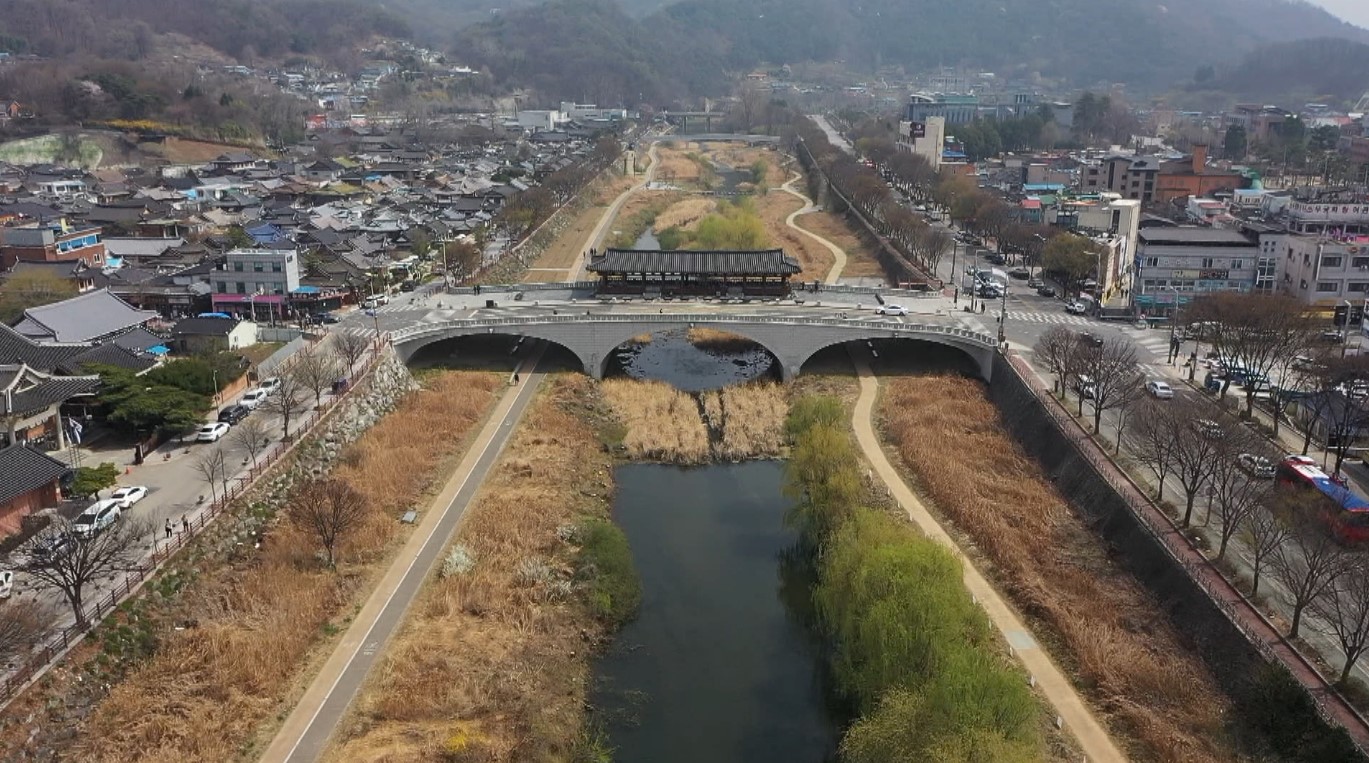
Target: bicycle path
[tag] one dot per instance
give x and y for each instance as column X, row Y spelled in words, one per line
column 1076, row 716
column 307, row 731
column 838, row 254
column 596, row 236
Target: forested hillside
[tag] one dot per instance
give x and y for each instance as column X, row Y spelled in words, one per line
column 1322, row 70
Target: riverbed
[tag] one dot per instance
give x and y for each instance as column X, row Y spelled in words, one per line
column 717, row 666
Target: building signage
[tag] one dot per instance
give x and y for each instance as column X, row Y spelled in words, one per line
column 918, row 129
column 1214, row 275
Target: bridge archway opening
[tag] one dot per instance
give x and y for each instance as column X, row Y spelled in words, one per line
column 693, row 359
column 894, row 357
column 491, row 352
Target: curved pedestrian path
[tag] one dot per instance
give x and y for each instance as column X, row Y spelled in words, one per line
column 596, row 236
column 838, row 254
column 1076, row 717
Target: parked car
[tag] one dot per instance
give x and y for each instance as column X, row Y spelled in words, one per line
column 891, row 309
column 253, row 398
column 269, row 385
column 97, row 518
column 129, row 495
column 211, row 432
column 408, row 286
column 1256, row 466
column 1160, row 390
column 233, row 414
column 1076, row 308
column 1209, row 428
column 1045, row 291
column 1085, row 386
column 53, row 544
column 1334, row 336
column 1019, row 273
column 1035, row 282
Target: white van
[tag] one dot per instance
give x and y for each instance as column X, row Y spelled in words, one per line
column 95, row 519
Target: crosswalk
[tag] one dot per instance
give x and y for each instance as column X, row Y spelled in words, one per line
column 1064, row 319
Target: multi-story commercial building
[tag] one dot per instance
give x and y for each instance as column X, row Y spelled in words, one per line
column 52, row 242
column 956, row 109
column 1175, row 264
column 260, row 279
column 1321, row 271
column 926, row 139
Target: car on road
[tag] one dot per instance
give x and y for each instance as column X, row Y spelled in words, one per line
column 1256, row 466
column 1020, row 273
column 408, row 286
column 317, row 319
column 1334, row 336
column 211, row 432
column 233, row 414
column 989, row 291
column 253, row 398
column 1209, row 428
column 1076, row 308
column 1160, row 390
column 891, row 309
column 269, row 385
column 374, row 301
column 1085, row 386
column 129, row 495
column 96, row 519
column 1045, row 291
column 1090, row 339
column 1035, row 282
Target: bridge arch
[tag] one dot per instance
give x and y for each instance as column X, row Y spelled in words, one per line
column 592, row 337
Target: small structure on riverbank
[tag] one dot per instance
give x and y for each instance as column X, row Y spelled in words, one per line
column 683, row 272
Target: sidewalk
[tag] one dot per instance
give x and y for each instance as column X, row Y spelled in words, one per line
column 1076, row 716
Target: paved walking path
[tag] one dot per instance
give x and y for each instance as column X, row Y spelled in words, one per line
column 596, row 236
column 1093, row 739
column 307, row 731
column 839, row 254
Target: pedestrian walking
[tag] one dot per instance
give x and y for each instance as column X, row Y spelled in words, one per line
column 185, row 524
column 168, row 527
column 515, row 377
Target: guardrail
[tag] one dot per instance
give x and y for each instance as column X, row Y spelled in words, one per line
column 1331, row 705
column 45, row 656
column 412, row 332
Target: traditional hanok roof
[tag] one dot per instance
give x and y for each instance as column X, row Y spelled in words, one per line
column 23, row 469
column 719, row 262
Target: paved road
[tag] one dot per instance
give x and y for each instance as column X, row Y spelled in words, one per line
column 1054, row 685
column 310, row 726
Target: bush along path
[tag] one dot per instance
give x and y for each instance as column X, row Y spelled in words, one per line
column 912, row 651
column 1073, row 714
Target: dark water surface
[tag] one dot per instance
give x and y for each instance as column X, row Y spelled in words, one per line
column 716, row 667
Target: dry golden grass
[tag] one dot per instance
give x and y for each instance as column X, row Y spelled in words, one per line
column 662, row 423
column 684, row 213
column 676, row 166
column 750, row 418
column 640, row 339
column 492, row 665
column 718, row 341
column 813, row 257
column 860, row 261
column 1128, row 659
column 211, row 691
column 741, row 156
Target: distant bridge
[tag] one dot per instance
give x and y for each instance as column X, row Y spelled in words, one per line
column 592, row 337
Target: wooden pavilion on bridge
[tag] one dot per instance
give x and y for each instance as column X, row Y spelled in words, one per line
column 685, row 272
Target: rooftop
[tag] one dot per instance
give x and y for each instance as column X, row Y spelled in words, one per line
column 1194, row 235
column 754, row 262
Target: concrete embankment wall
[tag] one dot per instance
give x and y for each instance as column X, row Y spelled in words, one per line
column 1234, row 661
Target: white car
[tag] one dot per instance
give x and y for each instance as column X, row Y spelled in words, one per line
column 1159, row 390
column 253, row 398
column 374, row 301
column 211, row 432
column 1076, row 308
column 127, row 496
column 95, row 519
column 892, row 310
column 1085, row 386
column 269, row 385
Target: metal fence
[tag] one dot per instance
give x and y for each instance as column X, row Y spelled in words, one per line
column 54, row 648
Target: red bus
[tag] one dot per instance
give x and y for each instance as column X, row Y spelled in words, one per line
column 1345, row 513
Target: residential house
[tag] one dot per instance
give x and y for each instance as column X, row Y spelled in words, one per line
column 51, row 242
column 73, row 272
column 1193, row 178
column 87, row 317
column 29, row 482
column 200, row 335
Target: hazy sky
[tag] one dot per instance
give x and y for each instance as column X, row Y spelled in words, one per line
column 1354, row 11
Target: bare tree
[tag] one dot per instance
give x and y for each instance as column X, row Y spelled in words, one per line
column 251, row 436
column 330, row 509
column 1197, row 444
column 1258, row 331
column 350, row 348
column 1265, row 531
column 1055, row 350
column 1154, row 440
column 23, row 624
column 212, row 468
column 315, row 371
column 1345, row 612
column 1308, row 562
column 1235, row 493
column 289, row 400
column 1113, row 369
column 74, row 561
column 1128, row 395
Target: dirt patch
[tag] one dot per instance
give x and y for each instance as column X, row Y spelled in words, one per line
column 493, row 664
column 259, row 619
column 860, row 261
column 684, row 213
column 815, row 259
column 1128, row 660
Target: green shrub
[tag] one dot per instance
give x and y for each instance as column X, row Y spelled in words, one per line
column 613, row 589
column 1283, row 713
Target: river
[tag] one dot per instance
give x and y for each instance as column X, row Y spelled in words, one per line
column 717, row 666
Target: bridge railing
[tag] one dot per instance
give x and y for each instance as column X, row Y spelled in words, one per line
column 800, row 289
column 428, row 329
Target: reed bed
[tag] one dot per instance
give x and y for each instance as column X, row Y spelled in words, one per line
column 717, row 340
column 493, row 663
column 750, row 418
column 684, row 213
column 1125, row 655
column 662, row 423
column 212, row 691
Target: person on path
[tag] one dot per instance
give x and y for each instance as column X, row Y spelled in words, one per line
column 515, row 377
column 168, row 527
column 185, row 524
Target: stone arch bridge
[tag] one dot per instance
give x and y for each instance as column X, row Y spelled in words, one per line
column 593, row 337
